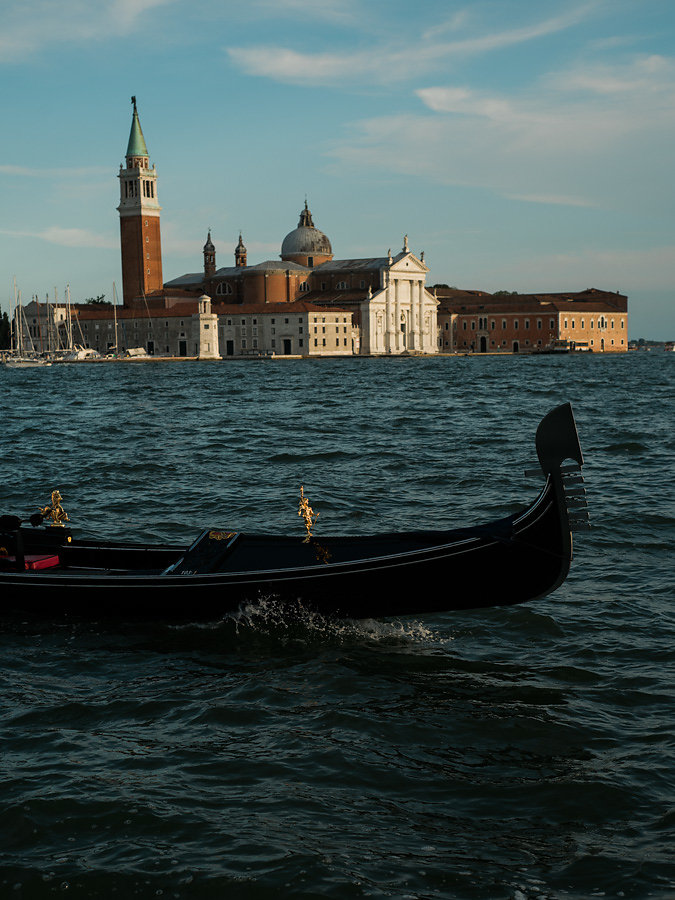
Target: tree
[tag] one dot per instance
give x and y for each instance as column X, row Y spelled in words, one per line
column 505, row 294
column 5, row 332
column 98, row 301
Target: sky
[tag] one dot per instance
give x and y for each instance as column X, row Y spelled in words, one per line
column 523, row 145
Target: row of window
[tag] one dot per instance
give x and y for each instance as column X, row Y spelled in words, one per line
column 273, row 343
column 602, row 323
column 254, row 330
column 324, row 344
column 225, row 288
column 244, row 322
column 539, row 343
column 136, row 323
column 483, row 324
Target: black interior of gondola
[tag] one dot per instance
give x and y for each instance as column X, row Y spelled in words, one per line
column 50, row 550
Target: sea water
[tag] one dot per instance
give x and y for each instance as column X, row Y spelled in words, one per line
column 522, row 752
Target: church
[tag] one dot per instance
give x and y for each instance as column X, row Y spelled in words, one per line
column 308, row 303
column 304, row 303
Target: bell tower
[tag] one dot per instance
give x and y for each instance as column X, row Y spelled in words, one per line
column 139, row 219
column 209, row 257
column 240, row 254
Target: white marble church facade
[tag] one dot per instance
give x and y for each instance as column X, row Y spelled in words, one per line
column 402, row 316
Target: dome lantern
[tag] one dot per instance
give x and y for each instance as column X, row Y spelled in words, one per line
column 306, row 245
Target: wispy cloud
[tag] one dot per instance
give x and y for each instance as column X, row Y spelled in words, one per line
column 389, row 61
column 650, row 76
column 559, row 142
column 455, row 22
column 625, row 270
column 176, row 243
column 343, row 12
column 77, row 172
column 554, row 199
column 28, row 25
column 68, row 237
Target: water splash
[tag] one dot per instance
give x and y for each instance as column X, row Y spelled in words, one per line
column 282, row 623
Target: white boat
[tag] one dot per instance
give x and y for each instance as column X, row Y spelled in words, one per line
column 25, row 362
column 80, row 354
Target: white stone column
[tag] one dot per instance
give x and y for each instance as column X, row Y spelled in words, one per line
column 414, row 330
column 420, row 304
column 388, row 335
column 397, row 323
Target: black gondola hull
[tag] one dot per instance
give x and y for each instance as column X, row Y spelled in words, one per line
column 512, row 560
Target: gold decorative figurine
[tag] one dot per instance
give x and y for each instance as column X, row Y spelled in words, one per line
column 55, row 511
column 307, row 513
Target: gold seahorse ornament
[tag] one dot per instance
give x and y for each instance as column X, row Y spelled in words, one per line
column 307, row 513
column 55, row 511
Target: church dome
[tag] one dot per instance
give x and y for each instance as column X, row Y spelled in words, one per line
column 306, row 240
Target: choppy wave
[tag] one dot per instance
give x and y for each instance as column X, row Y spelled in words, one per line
column 520, row 752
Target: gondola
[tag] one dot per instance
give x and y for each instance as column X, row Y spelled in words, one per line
column 46, row 571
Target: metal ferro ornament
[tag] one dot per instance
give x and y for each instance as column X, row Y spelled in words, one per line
column 55, row 511
column 307, row 513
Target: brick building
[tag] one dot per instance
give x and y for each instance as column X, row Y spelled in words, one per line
column 479, row 322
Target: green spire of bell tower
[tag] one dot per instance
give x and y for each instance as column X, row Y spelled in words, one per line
column 136, row 145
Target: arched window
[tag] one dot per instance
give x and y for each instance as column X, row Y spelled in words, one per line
column 224, row 288
column 342, row 285
column 304, row 286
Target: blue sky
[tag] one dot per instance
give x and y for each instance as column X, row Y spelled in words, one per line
column 522, row 145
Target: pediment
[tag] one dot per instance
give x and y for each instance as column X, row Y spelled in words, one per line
column 408, row 262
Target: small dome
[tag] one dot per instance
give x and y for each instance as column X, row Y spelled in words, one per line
column 306, row 239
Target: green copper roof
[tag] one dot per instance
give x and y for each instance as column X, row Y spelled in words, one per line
column 136, row 146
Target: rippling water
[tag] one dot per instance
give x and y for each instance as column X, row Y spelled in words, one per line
column 518, row 753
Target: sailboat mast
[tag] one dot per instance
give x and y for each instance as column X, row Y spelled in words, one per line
column 115, row 314
column 24, row 321
column 19, row 336
column 39, row 323
column 57, row 327
column 12, row 336
column 69, row 323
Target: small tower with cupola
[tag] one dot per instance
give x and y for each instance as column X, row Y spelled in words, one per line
column 209, row 258
column 240, row 255
column 139, row 211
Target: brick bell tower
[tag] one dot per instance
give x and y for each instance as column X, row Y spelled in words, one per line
column 139, row 219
